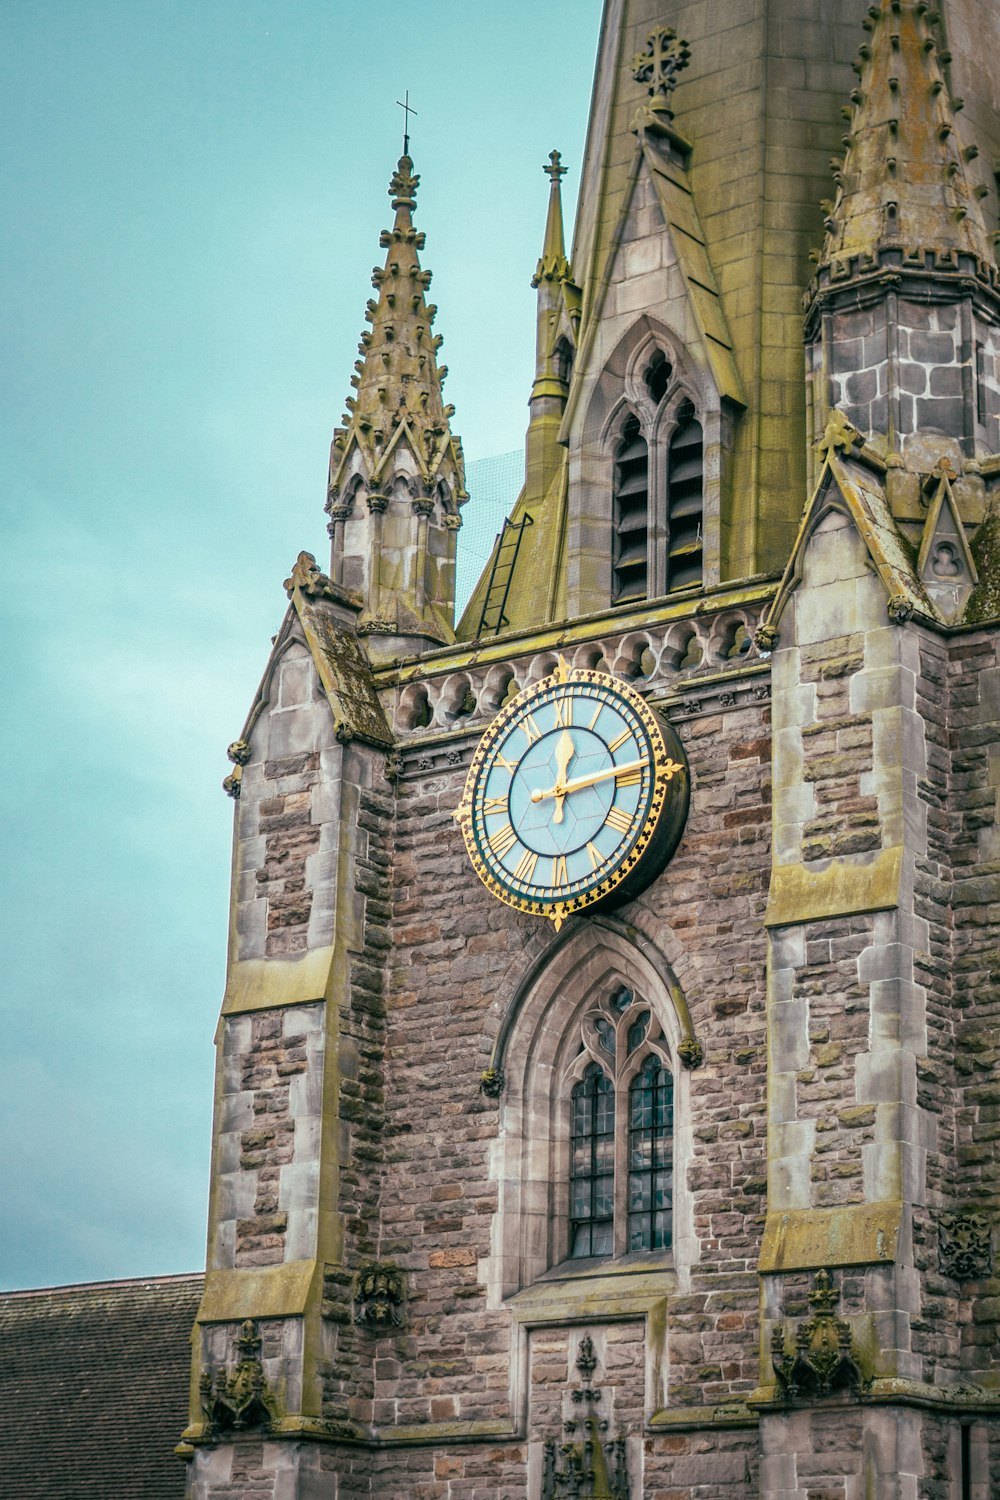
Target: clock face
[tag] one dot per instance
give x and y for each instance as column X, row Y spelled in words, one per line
column 576, row 796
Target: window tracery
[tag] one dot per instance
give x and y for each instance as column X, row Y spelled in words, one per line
column 621, row 1133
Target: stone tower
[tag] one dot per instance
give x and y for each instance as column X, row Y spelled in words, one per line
column 696, row 1193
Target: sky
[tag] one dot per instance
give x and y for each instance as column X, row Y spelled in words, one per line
column 193, row 194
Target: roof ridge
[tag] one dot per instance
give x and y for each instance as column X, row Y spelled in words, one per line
column 93, row 1286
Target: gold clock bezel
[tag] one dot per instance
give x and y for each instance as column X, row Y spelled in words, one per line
column 647, row 852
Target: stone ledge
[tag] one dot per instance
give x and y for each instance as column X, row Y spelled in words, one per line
column 270, row 983
column 809, row 1239
column 697, row 1418
column 799, row 894
column 284, row 1291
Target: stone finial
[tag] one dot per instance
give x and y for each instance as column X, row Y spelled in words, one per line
column 662, row 58
column 308, row 576
column 903, row 182
column 839, row 435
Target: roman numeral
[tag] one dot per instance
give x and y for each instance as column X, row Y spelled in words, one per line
column 596, row 857
column 503, row 840
column 559, row 875
column 526, row 868
column 531, row 729
column 564, row 713
column 629, row 778
column 620, row 821
column 496, row 805
column 597, row 714
column 508, row 765
column 617, row 743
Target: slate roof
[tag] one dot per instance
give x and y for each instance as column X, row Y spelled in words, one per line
column 94, row 1387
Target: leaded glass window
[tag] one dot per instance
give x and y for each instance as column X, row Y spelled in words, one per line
column 592, row 1165
column 621, row 1132
column 650, row 1158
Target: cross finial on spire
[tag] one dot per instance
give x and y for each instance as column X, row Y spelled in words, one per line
column 408, row 110
column 555, row 169
column 664, row 55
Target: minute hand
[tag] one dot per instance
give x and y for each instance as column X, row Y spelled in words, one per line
column 562, row 788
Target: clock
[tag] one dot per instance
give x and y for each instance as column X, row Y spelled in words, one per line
column 576, row 796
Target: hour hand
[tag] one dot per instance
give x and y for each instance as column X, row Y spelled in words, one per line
column 565, row 750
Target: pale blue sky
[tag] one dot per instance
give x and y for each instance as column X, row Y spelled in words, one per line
column 192, row 199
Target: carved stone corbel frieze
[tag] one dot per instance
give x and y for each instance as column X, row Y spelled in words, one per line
column 590, row 1465
column 824, row 1360
column 379, row 1296
column 965, row 1249
column 241, row 1400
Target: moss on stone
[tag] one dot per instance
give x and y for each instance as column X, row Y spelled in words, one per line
column 985, row 601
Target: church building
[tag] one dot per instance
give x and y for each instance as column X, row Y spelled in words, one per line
column 607, row 1099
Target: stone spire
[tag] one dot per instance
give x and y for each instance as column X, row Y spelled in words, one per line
column 903, row 183
column 396, row 471
column 554, row 342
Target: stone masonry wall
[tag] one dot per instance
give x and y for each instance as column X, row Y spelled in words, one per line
column 266, row 1138
column 946, row 372
column 456, row 962
column 347, row 1375
column 974, row 721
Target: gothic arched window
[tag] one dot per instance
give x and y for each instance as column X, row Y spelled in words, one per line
column 621, row 1134
column 631, row 515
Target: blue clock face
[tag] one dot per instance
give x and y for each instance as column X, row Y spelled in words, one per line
column 566, row 792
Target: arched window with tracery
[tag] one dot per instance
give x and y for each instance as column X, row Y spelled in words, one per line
column 621, row 1133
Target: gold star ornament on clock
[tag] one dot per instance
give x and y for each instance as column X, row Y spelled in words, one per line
column 576, row 796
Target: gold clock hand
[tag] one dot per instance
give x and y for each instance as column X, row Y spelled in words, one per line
column 561, row 789
column 565, row 750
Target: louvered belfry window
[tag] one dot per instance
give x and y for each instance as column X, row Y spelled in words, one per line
column 685, row 500
column 631, row 516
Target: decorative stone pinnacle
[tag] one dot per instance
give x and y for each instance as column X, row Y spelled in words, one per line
column 555, row 169
column 664, row 56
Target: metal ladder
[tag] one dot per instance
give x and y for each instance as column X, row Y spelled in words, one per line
column 493, row 617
